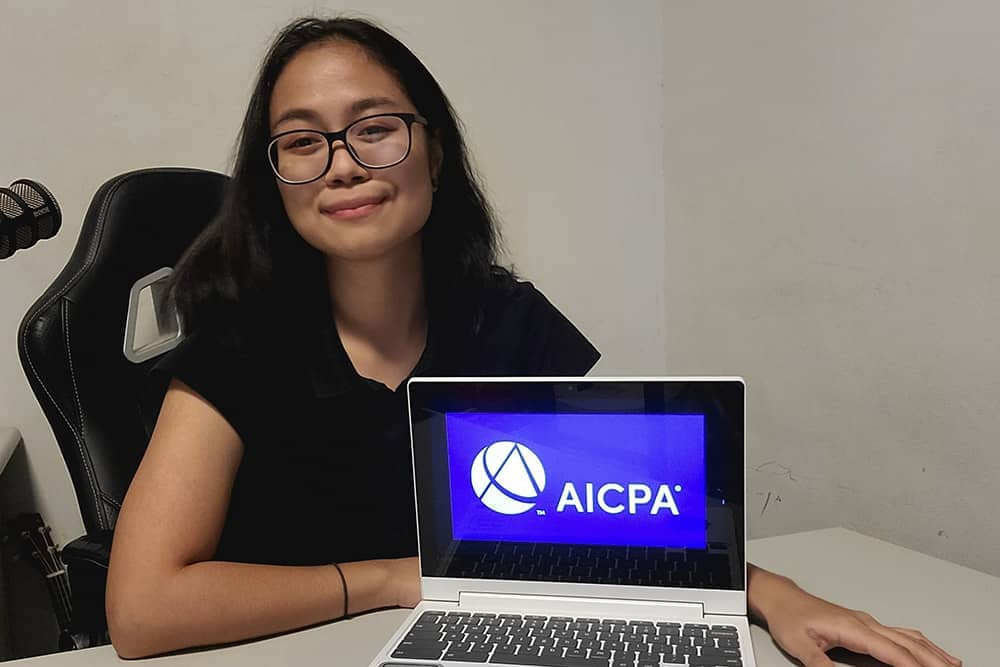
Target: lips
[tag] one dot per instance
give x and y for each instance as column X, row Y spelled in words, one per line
column 353, row 208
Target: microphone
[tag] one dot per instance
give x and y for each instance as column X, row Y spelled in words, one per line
column 28, row 212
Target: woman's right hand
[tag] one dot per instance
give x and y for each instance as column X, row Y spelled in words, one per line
column 406, row 578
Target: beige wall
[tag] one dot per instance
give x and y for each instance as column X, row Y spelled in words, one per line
column 831, row 211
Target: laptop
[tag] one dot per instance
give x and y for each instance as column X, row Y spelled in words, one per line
column 578, row 522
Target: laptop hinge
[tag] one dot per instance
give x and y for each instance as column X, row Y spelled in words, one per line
column 578, row 606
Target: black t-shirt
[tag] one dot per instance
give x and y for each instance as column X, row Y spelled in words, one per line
column 326, row 474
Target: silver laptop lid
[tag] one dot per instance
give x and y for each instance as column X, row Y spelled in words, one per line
column 613, row 488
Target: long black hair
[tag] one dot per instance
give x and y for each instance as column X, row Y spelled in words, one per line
column 250, row 250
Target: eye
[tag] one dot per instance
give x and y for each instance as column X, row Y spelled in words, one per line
column 370, row 131
column 374, row 130
column 373, row 133
column 303, row 142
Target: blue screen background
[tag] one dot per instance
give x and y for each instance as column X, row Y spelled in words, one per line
column 580, row 448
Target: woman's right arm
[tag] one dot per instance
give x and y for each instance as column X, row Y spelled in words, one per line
column 164, row 591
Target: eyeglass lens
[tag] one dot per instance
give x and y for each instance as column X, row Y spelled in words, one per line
column 377, row 142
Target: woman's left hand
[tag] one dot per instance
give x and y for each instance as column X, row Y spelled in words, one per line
column 806, row 627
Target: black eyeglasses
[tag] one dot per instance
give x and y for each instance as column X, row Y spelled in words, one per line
column 375, row 142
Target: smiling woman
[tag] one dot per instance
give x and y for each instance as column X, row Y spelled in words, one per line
column 355, row 249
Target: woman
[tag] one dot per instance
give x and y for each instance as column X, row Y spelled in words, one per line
column 355, row 249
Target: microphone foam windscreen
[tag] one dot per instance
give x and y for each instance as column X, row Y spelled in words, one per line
column 12, row 236
column 28, row 212
column 42, row 204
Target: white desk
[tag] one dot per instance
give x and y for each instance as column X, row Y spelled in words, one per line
column 9, row 440
column 955, row 606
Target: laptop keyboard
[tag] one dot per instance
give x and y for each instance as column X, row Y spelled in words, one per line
column 562, row 641
column 643, row 566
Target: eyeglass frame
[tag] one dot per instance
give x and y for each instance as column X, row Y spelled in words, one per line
column 408, row 118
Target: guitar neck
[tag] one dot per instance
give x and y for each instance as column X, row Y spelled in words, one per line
column 37, row 543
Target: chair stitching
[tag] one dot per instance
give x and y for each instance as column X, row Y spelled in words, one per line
column 69, row 356
column 111, row 501
column 84, row 453
column 78, row 435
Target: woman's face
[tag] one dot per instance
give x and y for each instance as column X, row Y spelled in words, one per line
column 351, row 212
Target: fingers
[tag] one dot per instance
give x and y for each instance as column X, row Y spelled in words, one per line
column 915, row 642
column 862, row 638
column 926, row 643
column 919, row 645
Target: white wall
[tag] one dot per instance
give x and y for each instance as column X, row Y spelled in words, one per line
column 94, row 89
column 832, row 207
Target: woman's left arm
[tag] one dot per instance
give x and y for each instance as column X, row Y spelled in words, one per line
column 806, row 627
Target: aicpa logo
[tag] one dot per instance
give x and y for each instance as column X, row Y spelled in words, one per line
column 508, row 478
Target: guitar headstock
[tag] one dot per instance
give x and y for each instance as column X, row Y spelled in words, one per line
column 37, row 540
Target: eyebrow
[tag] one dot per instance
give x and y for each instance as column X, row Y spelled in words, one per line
column 357, row 108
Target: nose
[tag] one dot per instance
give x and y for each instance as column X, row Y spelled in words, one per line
column 344, row 169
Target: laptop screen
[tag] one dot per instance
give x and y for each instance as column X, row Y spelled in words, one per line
column 571, row 478
column 633, row 482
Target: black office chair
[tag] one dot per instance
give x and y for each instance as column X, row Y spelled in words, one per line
column 87, row 346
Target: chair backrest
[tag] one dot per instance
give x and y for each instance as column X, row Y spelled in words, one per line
column 100, row 404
